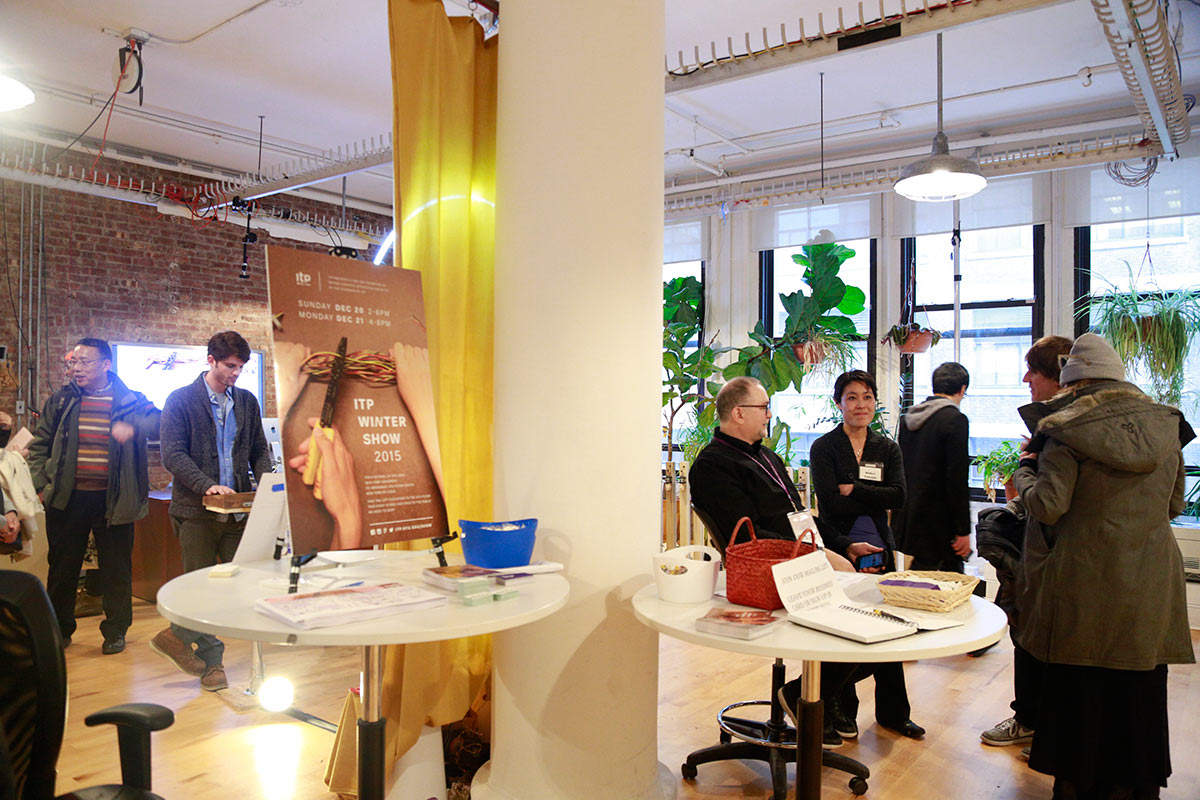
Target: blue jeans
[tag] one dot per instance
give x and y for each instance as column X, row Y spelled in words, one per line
column 203, row 541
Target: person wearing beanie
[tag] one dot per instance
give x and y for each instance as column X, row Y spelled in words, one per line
column 1102, row 600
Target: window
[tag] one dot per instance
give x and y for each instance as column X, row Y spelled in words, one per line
column 998, row 322
column 1118, row 252
column 810, row 413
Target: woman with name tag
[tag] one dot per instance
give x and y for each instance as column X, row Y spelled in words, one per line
column 858, row 475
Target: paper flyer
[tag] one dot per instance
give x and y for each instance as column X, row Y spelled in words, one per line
column 379, row 474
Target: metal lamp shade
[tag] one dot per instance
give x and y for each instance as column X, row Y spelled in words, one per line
column 941, row 176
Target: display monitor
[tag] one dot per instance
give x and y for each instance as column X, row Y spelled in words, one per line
column 156, row 370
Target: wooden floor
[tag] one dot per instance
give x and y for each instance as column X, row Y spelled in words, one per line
column 214, row 752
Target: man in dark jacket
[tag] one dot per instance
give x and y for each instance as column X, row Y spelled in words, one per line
column 934, row 525
column 88, row 464
column 212, row 441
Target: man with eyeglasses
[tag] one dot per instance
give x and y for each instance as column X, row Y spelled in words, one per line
column 88, row 463
column 735, row 476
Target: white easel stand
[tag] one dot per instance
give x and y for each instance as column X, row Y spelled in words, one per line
column 420, row 774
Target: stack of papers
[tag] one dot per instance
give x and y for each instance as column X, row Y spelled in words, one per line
column 352, row 604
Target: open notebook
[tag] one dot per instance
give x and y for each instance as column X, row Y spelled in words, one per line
column 815, row 598
column 860, row 623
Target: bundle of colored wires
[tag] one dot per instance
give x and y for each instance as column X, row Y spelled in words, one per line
column 370, row 366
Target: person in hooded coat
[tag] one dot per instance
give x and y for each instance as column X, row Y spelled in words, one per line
column 934, row 526
column 1102, row 597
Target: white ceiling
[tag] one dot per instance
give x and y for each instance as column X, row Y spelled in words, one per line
column 318, row 72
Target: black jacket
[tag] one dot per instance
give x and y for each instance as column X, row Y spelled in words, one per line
column 832, row 461
column 933, row 440
column 189, row 446
column 55, row 449
column 731, row 479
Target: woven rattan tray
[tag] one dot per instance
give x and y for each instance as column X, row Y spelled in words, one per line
column 928, row 599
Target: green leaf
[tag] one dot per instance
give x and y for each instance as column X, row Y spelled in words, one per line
column 707, row 416
column 670, row 361
column 838, row 324
column 738, row 369
column 854, row 302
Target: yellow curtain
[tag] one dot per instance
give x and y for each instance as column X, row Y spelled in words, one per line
column 444, row 124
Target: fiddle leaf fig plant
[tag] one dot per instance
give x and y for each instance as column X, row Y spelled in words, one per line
column 817, row 325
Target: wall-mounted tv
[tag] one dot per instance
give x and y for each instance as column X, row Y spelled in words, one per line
column 156, row 370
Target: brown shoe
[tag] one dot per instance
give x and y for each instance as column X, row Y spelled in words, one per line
column 214, row 679
column 177, row 651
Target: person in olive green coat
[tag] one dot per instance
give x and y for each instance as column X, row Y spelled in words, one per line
column 1102, row 600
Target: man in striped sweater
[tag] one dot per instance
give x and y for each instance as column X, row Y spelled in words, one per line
column 88, row 463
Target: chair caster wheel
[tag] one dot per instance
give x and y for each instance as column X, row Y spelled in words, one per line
column 858, row 786
column 688, row 771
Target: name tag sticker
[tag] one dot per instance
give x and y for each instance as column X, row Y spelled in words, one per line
column 870, row 471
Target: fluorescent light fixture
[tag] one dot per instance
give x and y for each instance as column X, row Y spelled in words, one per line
column 13, row 93
column 385, row 247
column 941, row 176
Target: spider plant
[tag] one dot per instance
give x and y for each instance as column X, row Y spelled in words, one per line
column 1151, row 331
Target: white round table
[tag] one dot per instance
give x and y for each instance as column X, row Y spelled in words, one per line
column 225, row 607
column 983, row 625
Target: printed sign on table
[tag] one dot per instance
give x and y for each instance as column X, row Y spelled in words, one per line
column 379, row 475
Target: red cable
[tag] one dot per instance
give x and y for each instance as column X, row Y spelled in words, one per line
column 113, row 105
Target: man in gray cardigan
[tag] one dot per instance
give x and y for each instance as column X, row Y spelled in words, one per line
column 212, row 440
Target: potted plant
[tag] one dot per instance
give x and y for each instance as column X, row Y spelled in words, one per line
column 1151, row 331
column 909, row 337
column 997, row 467
column 817, row 328
column 912, row 338
column 687, row 361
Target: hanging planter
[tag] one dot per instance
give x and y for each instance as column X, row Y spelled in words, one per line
column 912, row 338
column 809, row 353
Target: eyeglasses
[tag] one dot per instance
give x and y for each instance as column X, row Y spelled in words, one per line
column 765, row 407
column 82, row 362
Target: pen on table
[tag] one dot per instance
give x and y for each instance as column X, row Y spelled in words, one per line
column 893, row 617
column 356, row 583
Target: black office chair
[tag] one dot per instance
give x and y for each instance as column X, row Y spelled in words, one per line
column 33, row 705
column 773, row 740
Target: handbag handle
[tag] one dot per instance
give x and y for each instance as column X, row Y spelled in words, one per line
column 736, row 528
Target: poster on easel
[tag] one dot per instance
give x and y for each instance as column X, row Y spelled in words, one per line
column 355, row 401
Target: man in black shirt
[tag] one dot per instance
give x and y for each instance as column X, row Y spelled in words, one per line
column 735, row 476
column 934, row 525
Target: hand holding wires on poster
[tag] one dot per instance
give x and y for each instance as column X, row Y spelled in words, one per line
column 312, row 470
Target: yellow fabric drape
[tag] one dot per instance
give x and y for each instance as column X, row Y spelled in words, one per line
column 444, row 134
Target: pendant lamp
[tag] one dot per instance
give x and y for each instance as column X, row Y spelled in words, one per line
column 14, row 93
column 940, row 176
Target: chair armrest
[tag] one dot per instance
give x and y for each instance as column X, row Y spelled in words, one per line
column 134, row 723
column 148, row 716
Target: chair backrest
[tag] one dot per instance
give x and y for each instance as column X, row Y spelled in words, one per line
column 719, row 538
column 33, row 684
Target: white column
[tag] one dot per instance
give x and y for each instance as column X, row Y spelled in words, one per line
column 579, row 217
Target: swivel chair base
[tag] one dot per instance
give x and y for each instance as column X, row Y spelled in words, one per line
column 772, row 741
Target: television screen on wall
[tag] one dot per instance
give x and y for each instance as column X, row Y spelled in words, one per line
column 156, row 370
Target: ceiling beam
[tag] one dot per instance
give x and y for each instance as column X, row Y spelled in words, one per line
column 865, row 33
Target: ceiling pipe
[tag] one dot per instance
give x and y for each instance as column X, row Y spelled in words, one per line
column 919, row 150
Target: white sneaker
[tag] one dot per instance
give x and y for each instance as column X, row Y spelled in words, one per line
column 1008, row 732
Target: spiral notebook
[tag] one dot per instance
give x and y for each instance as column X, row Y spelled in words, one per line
column 859, row 623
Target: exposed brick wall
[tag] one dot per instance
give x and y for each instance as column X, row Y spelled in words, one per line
column 124, row 272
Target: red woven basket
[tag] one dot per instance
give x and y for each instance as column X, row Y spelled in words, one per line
column 749, row 580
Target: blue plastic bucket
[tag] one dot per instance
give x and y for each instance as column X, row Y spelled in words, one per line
column 498, row 545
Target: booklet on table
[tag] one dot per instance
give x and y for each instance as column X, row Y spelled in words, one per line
column 352, row 604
